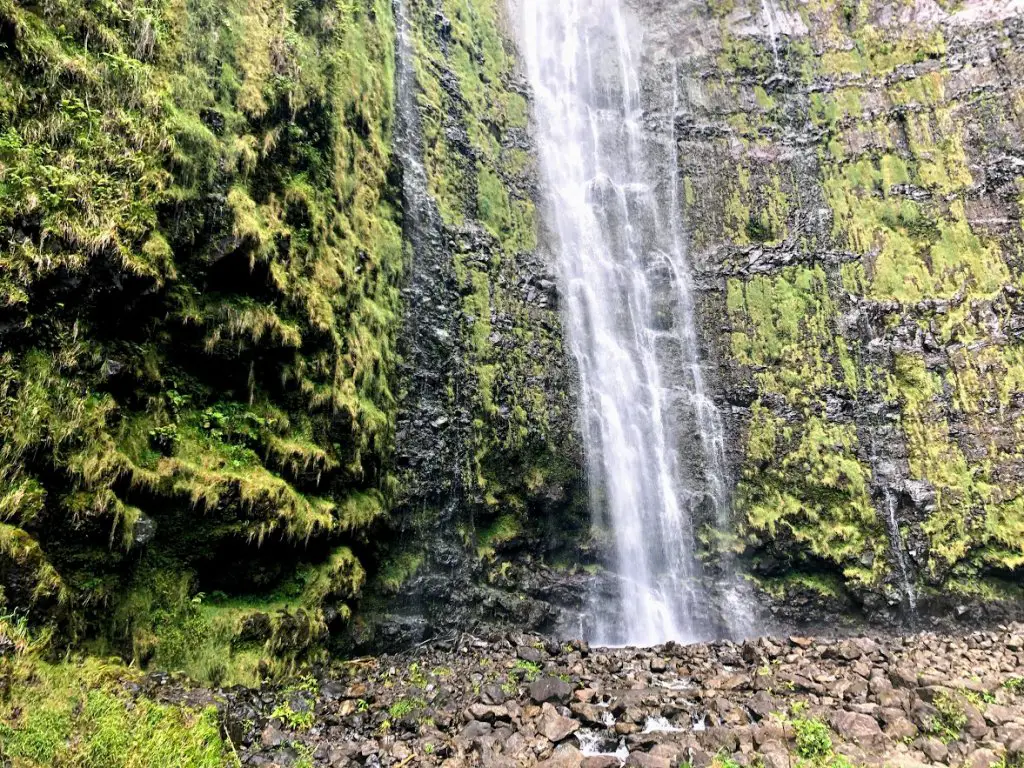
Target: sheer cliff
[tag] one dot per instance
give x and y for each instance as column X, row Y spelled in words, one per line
column 282, row 357
column 853, row 200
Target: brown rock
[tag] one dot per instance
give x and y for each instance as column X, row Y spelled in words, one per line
column 857, row 728
column 982, row 758
column 600, row 761
column 641, row 760
column 564, row 756
column 549, row 688
column 976, row 726
column 900, row 728
column 556, row 727
column 997, row 715
column 768, row 732
column 933, row 749
column 487, row 713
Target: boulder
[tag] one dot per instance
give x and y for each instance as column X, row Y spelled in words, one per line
column 548, row 689
column 556, row 727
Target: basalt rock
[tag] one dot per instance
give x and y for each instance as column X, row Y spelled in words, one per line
column 928, row 699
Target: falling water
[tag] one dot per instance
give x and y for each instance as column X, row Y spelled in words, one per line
column 653, row 436
column 768, row 11
column 896, row 543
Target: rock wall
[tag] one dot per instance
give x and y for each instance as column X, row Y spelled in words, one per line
column 492, row 514
column 212, row 329
column 853, row 194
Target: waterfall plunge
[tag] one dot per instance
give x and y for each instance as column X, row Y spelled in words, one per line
column 653, row 437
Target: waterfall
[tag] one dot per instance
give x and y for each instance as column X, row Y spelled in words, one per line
column 773, row 35
column 653, row 436
column 899, row 554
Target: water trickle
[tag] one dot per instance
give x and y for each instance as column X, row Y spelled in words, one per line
column 899, row 553
column 653, row 435
column 768, row 11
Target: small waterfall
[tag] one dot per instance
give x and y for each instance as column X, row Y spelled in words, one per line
column 899, row 552
column 768, row 11
column 430, row 444
column 653, row 436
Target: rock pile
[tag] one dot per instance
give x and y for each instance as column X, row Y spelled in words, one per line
column 778, row 703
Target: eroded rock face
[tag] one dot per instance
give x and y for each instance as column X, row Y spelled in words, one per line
column 921, row 700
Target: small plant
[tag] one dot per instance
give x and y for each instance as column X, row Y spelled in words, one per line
column 405, row 707
column 723, row 760
column 952, row 718
column 1014, row 685
column 529, row 670
column 978, row 699
column 362, row 705
column 295, row 720
column 428, row 748
column 304, row 755
column 416, row 676
column 813, row 738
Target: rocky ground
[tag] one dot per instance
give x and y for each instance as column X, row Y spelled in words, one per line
column 925, row 699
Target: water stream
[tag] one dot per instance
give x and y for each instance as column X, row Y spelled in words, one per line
column 653, row 436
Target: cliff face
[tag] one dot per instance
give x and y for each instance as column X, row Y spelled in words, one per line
column 206, row 300
column 853, row 194
column 280, row 340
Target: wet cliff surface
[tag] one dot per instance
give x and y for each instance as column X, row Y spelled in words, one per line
column 852, row 185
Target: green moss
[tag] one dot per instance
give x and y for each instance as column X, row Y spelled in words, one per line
column 82, row 713
column 226, row 166
column 781, row 587
column 782, row 328
column 815, row 493
column 503, row 530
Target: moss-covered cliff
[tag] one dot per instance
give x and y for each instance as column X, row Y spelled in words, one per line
column 853, row 200
column 201, row 265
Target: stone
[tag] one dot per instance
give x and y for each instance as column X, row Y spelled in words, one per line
column 900, row 729
column 997, row 715
column 555, row 726
column 857, row 728
column 600, row 761
column 492, row 693
column 530, row 654
column 982, row 758
column 488, row 713
column 474, row 730
column 976, row 726
column 564, row 756
column 776, row 758
column 273, row 736
column 934, row 749
column 547, row 689
column 642, row 760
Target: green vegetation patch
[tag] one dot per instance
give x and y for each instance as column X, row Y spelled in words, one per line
column 81, row 713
